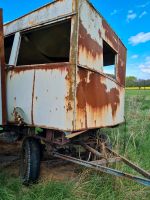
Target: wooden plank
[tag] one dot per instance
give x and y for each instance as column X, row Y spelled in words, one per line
column 106, row 161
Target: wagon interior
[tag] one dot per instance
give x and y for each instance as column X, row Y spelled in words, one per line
column 50, row 44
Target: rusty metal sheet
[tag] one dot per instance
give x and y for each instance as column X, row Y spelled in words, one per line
column 19, row 94
column 43, row 93
column 2, row 74
column 90, row 52
column 109, row 35
column 121, row 65
column 42, row 15
column 113, row 40
column 99, row 101
column 66, row 96
column 93, row 29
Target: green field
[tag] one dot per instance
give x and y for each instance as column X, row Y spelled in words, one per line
column 131, row 140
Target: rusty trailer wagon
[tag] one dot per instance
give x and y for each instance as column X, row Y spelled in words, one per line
column 63, row 76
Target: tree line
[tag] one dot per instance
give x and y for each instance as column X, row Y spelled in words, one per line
column 132, row 81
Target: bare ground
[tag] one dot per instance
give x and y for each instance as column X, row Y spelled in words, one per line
column 54, row 169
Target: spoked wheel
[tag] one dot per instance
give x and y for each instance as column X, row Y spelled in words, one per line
column 30, row 161
column 103, row 141
column 100, row 142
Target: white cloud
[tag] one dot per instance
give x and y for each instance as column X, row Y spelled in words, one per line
column 145, row 67
column 139, row 38
column 134, row 56
column 144, row 5
column 147, row 59
column 114, row 12
column 142, row 14
column 130, row 11
column 131, row 15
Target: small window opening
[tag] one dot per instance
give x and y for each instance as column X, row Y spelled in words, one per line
column 49, row 44
column 109, row 60
column 8, row 43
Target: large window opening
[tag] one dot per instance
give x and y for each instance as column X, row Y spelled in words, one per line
column 8, row 43
column 50, row 44
column 109, row 60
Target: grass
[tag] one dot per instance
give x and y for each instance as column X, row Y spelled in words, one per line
column 132, row 140
column 137, row 88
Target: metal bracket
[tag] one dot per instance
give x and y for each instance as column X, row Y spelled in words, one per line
column 15, row 49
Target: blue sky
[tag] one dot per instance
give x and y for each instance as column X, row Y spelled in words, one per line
column 130, row 19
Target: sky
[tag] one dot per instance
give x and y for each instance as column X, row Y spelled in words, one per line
column 130, row 19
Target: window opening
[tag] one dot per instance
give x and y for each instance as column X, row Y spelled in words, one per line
column 50, row 44
column 109, row 60
column 8, row 43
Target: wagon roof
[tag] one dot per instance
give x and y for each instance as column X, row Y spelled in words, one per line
column 37, row 9
column 56, row 1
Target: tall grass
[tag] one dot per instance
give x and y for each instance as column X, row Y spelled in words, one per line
column 131, row 140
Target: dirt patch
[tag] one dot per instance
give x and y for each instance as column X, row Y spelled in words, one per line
column 9, row 149
column 63, row 171
column 54, row 169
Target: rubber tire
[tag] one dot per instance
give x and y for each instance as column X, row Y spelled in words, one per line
column 30, row 161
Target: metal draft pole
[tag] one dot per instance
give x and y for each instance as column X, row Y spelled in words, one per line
column 107, row 170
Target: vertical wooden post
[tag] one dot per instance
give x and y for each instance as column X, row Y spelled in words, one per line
column 2, row 70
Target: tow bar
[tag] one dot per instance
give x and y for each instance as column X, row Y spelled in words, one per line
column 98, row 165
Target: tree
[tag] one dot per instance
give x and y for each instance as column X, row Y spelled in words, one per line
column 131, row 81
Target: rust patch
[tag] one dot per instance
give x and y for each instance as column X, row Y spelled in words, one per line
column 69, row 79
column 81, row 89
column 110, row 35
column 81, row 99
column 17, row 117
column 32, row 118
column 121, row 68
column 11, row 75
column 87, row 43
column 52, row 66
column 70, row 84
column 94, row 93
column 31, row 22
column 99, row 32
column 69, row 107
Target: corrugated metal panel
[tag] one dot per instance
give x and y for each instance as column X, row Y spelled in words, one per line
column 42, row 15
